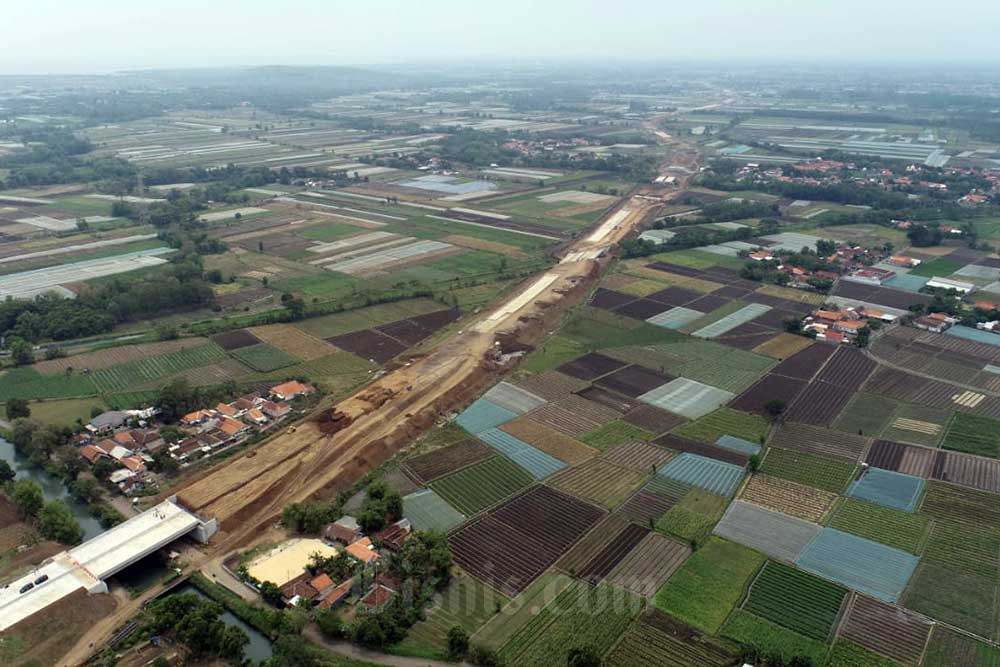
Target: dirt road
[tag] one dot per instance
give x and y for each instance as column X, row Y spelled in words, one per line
column 248, row 493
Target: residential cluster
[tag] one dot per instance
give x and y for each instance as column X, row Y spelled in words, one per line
column 131, row 439
column 843, row 325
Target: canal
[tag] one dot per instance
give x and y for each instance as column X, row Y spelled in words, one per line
column 52, row 488
column 259, row 648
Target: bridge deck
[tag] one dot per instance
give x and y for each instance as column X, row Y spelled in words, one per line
column 86, row 565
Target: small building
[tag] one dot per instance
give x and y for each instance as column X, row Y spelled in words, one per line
column 107, row 422
column 870, row 276
column 196, row 417
column 286, row 391
column 850, row 326
column 935, row 322
column 255, row 417
column 903, row 261
column 344, row 530
column 93, row 454
column 377, row 597
column 227, row 410
column 947, row 283
column 363, row 550
column 275, row 410
column 332, row 598
column 393, row 537
column 231, row 427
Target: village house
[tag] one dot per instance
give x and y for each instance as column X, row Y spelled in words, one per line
column 286, row 391
column 363, row 551
column 934, row 322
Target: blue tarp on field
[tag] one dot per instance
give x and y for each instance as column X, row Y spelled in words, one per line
column 976, row 335
column 705, row 473
column 734, row 444
column 865, row 566
column 484, row 415
column 538, row 464
column 892, row 489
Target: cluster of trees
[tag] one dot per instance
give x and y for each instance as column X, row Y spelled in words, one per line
column 725, row 211
column 309, row 517
column 179, row 286
column 382, row 507
column 196, row 623
column 177, row 398
column 424, row 567
column 53, row 519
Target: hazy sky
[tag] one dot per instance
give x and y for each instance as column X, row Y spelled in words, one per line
column 43, row 36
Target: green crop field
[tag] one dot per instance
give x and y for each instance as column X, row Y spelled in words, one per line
column 920, row 413
column 693, row 517
column 973, row 434
column 849, row 654
column 964, row 505
column 951, row 649
column 131, row 399
column 475, row 488
column 645, row 644
column 330, row 231
column 263, row 357
column 29, row 383
column 892, row 527
column 122, row 376
column 725, row 421
column 866, row 414
column 770, row 639
column 593, row 332
column 522, row 610
column 796, row 600
column 615, row 433
column 466, row 603
column 709, row 584
column 65, row 412
column 941, row 266
column 966, row 601
column 964, row 547
column 581, row 616
column 809, row 469
column 555, row 351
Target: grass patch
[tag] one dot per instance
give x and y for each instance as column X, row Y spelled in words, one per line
column 615, row 433
column 522, row 610
column 809, row 469
column 596, row 333
column 693, row 517
column 725, row 421
column 709, row 584
column 770, row 639
column 556, row 351
column 891, row 527
column 973, row 434
column 29, row 383
column 66, row 412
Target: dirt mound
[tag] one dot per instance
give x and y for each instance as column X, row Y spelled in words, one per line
column 332, row 421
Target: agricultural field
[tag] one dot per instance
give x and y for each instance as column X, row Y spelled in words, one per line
column 263, row 357
column 901, row 530
column 964, row 600
column 709, row 585
column 571, row 621
column 615, row 433
column 791, row 498
column 848, row 654
column 651, row 563
column 481, row 485
column 795, row 600
column 947, row 648
column 772, row 639
column 522, row 610
column 725, row 421
column 973, row 434
column 693, row 517
column 440, row 462
column 466, row 603
column 657, row 640
column 886, row 629
column 809, row 469
column 600, row 482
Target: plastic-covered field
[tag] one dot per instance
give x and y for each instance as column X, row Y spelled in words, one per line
column 778, row 535
column 974, row 335
column 905, row 281
column 687, row 398
column 427, row 510
column 539, row 464
column 892, row 489
column 675, row 318
column 705, row 473
column 730, row 322
column 484, row 415
column 865, row 566
column 514, row 398
column 734, row 444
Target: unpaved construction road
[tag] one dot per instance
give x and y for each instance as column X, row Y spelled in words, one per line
column 248, row 493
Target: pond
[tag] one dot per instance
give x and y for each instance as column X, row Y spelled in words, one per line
column 52, row 488
column 259, row 648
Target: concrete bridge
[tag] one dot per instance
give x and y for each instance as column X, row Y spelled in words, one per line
column 88, row 565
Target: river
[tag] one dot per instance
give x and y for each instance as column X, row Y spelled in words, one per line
column 52, row 488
